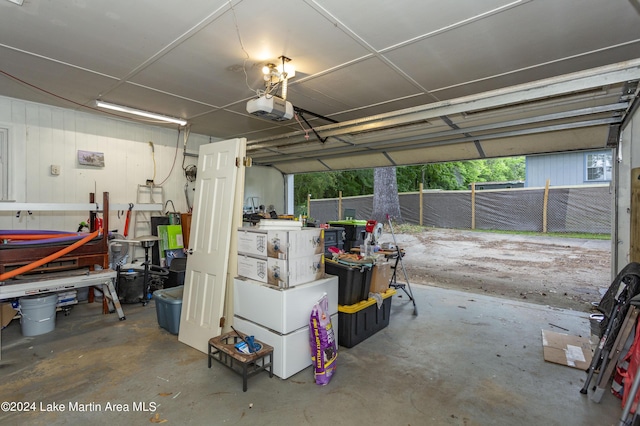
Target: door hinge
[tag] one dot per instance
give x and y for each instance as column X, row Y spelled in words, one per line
column 246, row 161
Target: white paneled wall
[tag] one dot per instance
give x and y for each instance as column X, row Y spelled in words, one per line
column 41, row 136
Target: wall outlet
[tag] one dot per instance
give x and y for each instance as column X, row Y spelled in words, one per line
column 55, row 170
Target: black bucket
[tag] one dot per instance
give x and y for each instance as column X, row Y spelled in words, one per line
column 131, row 283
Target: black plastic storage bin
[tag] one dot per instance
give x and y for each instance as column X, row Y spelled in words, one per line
column 176, row 272
column 354, row 236
column 353, row 281
column 362, row 320
column 333, row 237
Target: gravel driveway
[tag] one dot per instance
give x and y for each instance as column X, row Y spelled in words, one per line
column 560, row 272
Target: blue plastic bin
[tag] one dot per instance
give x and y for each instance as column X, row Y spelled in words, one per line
column 169, row 308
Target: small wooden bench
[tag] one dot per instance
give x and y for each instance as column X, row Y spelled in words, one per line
column 223, row 350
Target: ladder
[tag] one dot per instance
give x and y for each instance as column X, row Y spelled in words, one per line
column 146, row 194
column 110, row 295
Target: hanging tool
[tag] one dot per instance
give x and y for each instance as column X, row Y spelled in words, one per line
column 406, row 286
column 127, row 221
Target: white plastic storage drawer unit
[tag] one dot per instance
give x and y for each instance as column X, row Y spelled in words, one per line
column 282, row 310
column 291, row 352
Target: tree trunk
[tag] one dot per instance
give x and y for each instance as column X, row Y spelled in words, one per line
column 385, row 195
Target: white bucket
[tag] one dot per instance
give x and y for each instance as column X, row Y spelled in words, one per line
column 38, row 314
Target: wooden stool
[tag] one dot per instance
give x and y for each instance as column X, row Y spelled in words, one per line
column 223, row 350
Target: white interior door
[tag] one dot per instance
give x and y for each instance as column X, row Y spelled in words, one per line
column 211, row 229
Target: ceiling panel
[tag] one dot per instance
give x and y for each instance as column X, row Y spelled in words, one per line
column 136, row 96
column 510, row 41
column 385, row 70
column 411, row 19
column 210, row 65
column 612, row 55
column 59, row 84
column 346, row 89
column 112, row 36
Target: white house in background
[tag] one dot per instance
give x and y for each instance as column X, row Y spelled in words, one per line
column 570, row 168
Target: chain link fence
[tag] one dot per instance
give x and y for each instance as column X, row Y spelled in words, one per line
column 585, row 209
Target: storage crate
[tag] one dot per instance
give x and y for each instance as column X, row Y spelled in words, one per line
column 354, row 232
column 353, row 281
column 169, row 308
column 333, row 237
column 282, row 273
column 362, row 320
column 280, row 243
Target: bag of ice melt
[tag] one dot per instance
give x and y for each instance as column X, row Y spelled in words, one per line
column 324, row 349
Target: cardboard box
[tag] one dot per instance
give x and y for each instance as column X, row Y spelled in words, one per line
column 282, row 273
column 280, row 244
column 7, row 313
column 572, row 351
column 380, row 277
column 170, row 238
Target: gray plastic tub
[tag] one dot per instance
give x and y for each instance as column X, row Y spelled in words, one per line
column 169, row 308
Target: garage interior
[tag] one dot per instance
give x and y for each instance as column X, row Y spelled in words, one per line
column 407, row 82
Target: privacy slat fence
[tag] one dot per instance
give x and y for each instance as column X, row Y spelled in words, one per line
column 586, row 208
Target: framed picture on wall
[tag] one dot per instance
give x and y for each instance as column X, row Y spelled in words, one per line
column 90, row 158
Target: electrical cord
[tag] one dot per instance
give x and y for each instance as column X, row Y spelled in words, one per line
column 153, row 157
column 175, row 157
column 247, row 57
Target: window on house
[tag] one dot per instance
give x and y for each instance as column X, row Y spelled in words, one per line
column 598, row 167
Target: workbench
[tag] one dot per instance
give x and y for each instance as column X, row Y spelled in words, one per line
column 43, row 284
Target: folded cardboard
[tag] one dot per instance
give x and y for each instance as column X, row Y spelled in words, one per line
column 282, row 273
column 561, row 348
column 279, row 243
column 6, row 314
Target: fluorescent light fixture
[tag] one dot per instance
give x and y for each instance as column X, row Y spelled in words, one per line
column 141, row 113
column 18, row 2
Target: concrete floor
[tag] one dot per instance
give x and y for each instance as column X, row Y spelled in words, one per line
column 464, row 360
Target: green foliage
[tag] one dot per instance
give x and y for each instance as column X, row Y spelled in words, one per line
column 329, row 185
column 454, row 175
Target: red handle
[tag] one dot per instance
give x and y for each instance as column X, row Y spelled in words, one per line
column 126, row 223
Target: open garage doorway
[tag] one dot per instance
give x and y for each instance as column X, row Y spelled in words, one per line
column 561, row 272
column 547, row 245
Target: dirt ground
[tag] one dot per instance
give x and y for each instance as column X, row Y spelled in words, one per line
column 565, row 273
